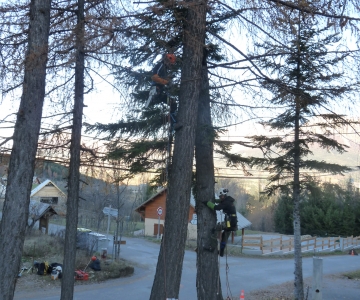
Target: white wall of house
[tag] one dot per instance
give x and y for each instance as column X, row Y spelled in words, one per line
column 149, row 225
column 192, row 232
column 149, row 228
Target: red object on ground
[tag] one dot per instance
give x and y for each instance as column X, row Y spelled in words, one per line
column 81, row 275
column 242, row 296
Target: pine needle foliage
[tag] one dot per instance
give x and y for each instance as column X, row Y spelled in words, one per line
column 327, row 209
column 305, row 79
column 151, row 33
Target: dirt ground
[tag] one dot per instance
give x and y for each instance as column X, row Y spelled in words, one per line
column 30, row 281
column 285, row 291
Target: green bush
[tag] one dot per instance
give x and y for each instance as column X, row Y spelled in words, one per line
column 326, row 210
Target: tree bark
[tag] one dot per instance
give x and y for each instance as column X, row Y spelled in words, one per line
column 208, row 287
column 298, row 282
column 67, row 282
column 169, row 267
column 25, row 140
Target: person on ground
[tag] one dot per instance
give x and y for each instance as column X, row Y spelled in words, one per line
column 226, row 204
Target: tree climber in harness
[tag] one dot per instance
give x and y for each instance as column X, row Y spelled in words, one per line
column 226, row 204
column 160, row 79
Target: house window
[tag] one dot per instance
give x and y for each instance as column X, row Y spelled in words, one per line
column 49, row 200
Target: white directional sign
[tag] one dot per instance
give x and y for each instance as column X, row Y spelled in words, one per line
column 159, row 211
column 110, row 212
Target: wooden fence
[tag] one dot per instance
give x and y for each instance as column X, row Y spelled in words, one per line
column 286, row 244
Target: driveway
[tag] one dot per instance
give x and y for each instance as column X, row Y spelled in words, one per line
column 248, row 274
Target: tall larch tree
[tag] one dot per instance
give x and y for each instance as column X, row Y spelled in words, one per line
column 208, row 287
column 67, row 283
column 25, row 140
column 169, row 267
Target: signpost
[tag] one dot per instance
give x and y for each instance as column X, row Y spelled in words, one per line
column 194, row 219
column 159, row 212
column 108, row 212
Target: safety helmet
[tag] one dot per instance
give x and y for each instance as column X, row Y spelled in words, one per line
column 171, row 58
column 222, row 192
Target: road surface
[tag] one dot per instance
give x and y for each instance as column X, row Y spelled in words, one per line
column 243, row 273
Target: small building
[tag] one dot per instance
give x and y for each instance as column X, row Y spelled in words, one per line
column 48, row 193
column 40, row 212
column 149, row 211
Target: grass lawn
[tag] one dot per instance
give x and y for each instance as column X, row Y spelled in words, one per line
column 353, row 275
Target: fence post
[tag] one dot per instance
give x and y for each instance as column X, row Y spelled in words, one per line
column 261, row 245
column 242, row 239
column 317, row 278
column 341, row 244
column 280, row 242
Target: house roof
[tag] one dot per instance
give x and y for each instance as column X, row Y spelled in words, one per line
column 150, row 199
column 242, row 221
column 42, row 185
column 38, row 209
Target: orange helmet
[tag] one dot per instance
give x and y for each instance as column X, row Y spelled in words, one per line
column 171, row 58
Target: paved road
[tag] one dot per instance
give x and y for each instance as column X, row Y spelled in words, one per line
column 247, row 274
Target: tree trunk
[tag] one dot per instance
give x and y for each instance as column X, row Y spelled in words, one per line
column 67, row 282
column 208, row 287
column 22, row 160
column 298, row 283
column 169, row 267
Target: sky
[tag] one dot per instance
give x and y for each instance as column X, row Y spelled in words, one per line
column 103, row 105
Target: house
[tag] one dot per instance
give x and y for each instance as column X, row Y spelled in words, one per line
column 153, row 212
column 48, row 193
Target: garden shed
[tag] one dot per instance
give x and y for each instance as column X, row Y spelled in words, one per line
column 40, row 212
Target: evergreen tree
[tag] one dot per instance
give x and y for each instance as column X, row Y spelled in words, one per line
column 283, row 215
column 326, row 210
column 303, row 78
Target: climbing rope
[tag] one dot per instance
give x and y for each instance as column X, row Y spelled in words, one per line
column 228, row 290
